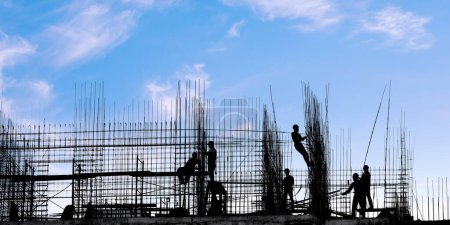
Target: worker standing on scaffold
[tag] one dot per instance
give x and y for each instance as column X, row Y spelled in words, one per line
column 13, row 212
column 365, row 182
column 297, row 139
column 212, row 157
column 288, row 186
column 359, row 197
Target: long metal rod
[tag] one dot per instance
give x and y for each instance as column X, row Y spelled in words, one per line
column 374, row 124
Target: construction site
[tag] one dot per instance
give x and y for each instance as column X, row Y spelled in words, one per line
column 131, row 163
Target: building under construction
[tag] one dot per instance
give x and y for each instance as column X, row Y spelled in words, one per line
column 125, row 163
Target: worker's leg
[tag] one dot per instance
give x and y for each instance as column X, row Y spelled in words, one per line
column 211, row 168
column 180, row 174
column 285, row 193
column 187, row 178
column 301, row 149
column 354, row 205
column 369, row 198
column 291, row 195
column 362, row 204
column 188, row 173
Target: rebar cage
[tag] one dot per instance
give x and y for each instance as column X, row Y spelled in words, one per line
column 124, row 163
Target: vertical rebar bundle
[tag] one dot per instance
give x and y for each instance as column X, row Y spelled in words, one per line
column 316, row 128
column 272, row 167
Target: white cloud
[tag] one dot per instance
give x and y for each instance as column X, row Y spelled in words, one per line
column 5, row 106
column 19, row 96
column 193, row 73
column 26, row 98
column 156, row 89
column 150, row 3
column 13, row 49
column 401, row 27
column 319, row 13
column 196, row 73
column 144, row 3
column 165, row 93
column 93, row 29
column 234, row 29
column 43, row 91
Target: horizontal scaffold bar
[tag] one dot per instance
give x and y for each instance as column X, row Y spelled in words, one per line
column 22, row 178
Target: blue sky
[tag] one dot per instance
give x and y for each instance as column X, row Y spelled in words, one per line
column 140, row 48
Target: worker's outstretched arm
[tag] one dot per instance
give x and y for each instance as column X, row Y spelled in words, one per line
column 348, row 190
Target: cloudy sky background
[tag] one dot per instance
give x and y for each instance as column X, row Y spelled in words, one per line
column 141, row 48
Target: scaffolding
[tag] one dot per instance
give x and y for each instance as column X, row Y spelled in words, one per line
column 124, row 163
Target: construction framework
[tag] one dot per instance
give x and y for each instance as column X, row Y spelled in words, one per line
column 123, row 163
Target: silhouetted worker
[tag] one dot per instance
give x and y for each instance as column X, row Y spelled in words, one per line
column 297, row 139
column 90, row 211
column 359, row 196
column 216, row 206
column 212, row 156
column 184, row 173
column 288, row 185
column 13, row 212
column 365, row 182
column 68, row 212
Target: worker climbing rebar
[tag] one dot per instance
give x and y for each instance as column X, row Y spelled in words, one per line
column 297, row 139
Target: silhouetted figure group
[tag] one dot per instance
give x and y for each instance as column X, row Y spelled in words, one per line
column 362, row 191
column 361, row 186
column 185, row 172
column 297, row 139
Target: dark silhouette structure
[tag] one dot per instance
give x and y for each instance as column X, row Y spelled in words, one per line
column 365, row 182
column 218, row 198
column 272, row 170
column 179, row 212
column 212, row 157
column 127, row 167
column 297, row 139
column 68, row 212
column 359, row 196
column 13, row 212
column 185, row 172
column 316, row 128
column 288, row 183
column 90, row 211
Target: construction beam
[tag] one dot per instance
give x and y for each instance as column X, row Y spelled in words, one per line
column 22, row 178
